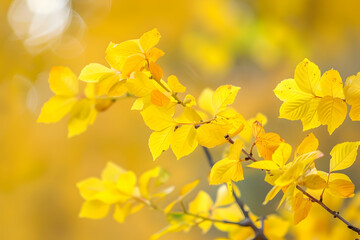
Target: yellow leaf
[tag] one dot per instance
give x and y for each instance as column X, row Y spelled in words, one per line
column 141, row 85
column 184, row 141
column 117, row 54
column 343, row 155
column 309, row 144
column 56, row 108
column 90, row 187
column 158, row 98
column 189, row 115
column 132, row 64
column 235, row 150
column 352, row 89
column 313, row 181
column 122, row 211
column 189, row 100
column 183, row 192
column 271, row 194
column 226, row 170
column 332, row 112
column 63, row 81
column 297, row 108
column 307, row 77
column 83, row 114
column 126, row 183
column 282, row 154
column 355, row 112
column 154, row 54
column 223, row 196
column 149, row 39
column 288, row 90
column 212, row 134
column 118, row 89
column 94, row 209
column 331, row 84
column 205, row 101
column 201, row 206
column 160, row 141
column 157, row 119
column 174, row 84
column 310, row 119
column 308, row 158
column 156, row 71
column 265, row 164
column 290, row 175
column 93, row 72
column 267, row 143
column 111, row 172
column 275, row 227
column 138, row 104
column 340, row 185
column 302, row 212
column 106, row 83
column 224, row 96
column 188, row 187
column 144, row 181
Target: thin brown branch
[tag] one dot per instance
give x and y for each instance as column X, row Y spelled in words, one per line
column 246, row 222
column 332, row 212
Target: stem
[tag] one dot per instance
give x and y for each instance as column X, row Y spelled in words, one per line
column 334, row 213
column 246, row 222
column 213, row 220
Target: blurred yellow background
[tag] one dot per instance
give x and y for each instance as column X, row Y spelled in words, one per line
column 207, row 43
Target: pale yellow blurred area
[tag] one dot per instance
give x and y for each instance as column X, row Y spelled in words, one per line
column 207, row 43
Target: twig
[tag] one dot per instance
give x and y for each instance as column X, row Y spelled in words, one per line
column 313, row 199
column 334, row 213
column 246, row 222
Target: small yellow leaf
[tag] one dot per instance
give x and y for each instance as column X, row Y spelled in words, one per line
column 174, row 84
column 184, row 141
column 282, row 154
column 352, row 89
column 111, row 172
column 235, row 150
column 141, row 85
column 265, row 164
column 302, row 212
column 160, row 141
column 144, row 181
column 94, row 209
column 331, row 84
column 307, row 77
column 205, row 101
column 63, row 81
column 93, row 72
column 149, row 39
column 56, row 108
column 155, row 71
column 189, row 187
column 226, row 170
column 201, row 206
column 117, row 54
column 126, row 183
column 132, row 64
column 158, row 98
column 122, row 211
column 267, row 143
column 154, row 54
column 343, row 155
column 271, row 194
column 224, row 96
column 106, row 83
column 156, row 118
column 332, row 112
column 355, row 112
column 309, row 144
column 83, row 114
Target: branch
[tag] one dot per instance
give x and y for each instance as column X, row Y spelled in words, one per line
column 313, row 199
column 247, row 222
column 334, row 213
